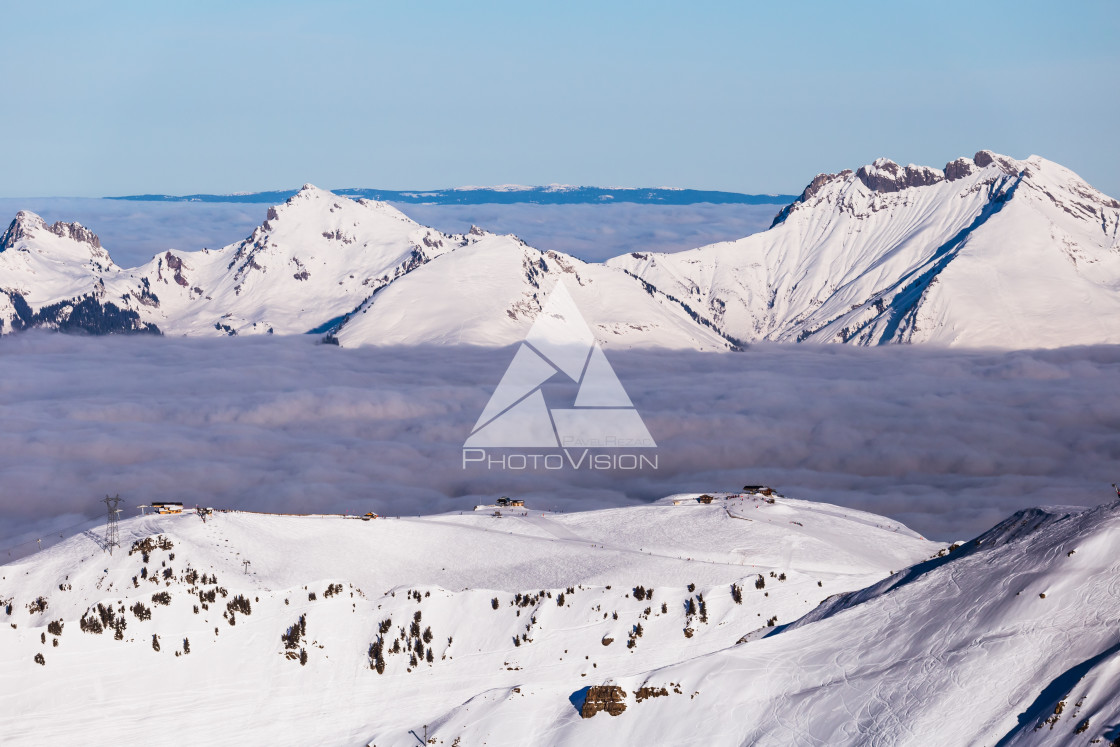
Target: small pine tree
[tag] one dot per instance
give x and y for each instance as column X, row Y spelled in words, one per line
column 303, row 657
column 186, row 646
column 155, row 642
column 40, row 660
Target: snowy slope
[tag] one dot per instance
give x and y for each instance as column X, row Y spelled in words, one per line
column 315, row 258
column 1009, row 639
column 567, row 605
column 989, row 252
column 41, row 265
column 320, row 263
column 491, row 292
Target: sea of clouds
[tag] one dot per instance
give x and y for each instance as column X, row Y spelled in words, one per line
column 948, row 442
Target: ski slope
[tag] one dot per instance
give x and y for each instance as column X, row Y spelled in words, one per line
column 1010, row 639
column 238, row 684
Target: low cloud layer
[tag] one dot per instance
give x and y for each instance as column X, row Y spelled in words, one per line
column 597, row 232
column 134, row 232
column 947, row 442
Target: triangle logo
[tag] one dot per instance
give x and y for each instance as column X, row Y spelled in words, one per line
column 560, row 344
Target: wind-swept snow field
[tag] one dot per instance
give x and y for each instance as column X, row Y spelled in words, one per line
column 490, row 629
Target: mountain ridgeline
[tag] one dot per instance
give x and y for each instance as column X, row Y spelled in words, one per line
column 988, row 252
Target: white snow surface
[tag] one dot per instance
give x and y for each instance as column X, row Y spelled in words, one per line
column 881, row 637
column 237, row 685
column 1008, row 254
column 1015, row 254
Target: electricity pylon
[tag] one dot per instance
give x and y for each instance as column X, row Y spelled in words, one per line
column 112, row 535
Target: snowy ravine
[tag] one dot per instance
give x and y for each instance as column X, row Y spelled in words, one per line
column 988, row 252
column 751, row 619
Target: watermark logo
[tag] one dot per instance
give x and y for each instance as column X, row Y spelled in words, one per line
column 559, row 344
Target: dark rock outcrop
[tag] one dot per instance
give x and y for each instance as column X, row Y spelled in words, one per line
column 26, row 223
column 958, row 169
column 609, row 698
column 819, row 181
column 986, row 158
column 176, row 263
column 887, row 176
column 75, row 231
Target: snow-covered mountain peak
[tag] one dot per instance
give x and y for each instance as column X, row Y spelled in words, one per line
column 26, row 224
column 23, row 226
column 990, row 251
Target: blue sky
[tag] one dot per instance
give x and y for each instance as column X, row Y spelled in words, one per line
column 121, row 98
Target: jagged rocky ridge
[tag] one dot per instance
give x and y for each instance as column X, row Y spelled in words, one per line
column 989, row 251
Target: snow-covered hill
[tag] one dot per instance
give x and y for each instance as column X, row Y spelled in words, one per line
column 1010, row 639
column 809, row 623
column 990, row 251
column 341, row 631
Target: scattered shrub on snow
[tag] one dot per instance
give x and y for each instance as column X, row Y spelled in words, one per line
column 239, row 604
column 292, row 637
